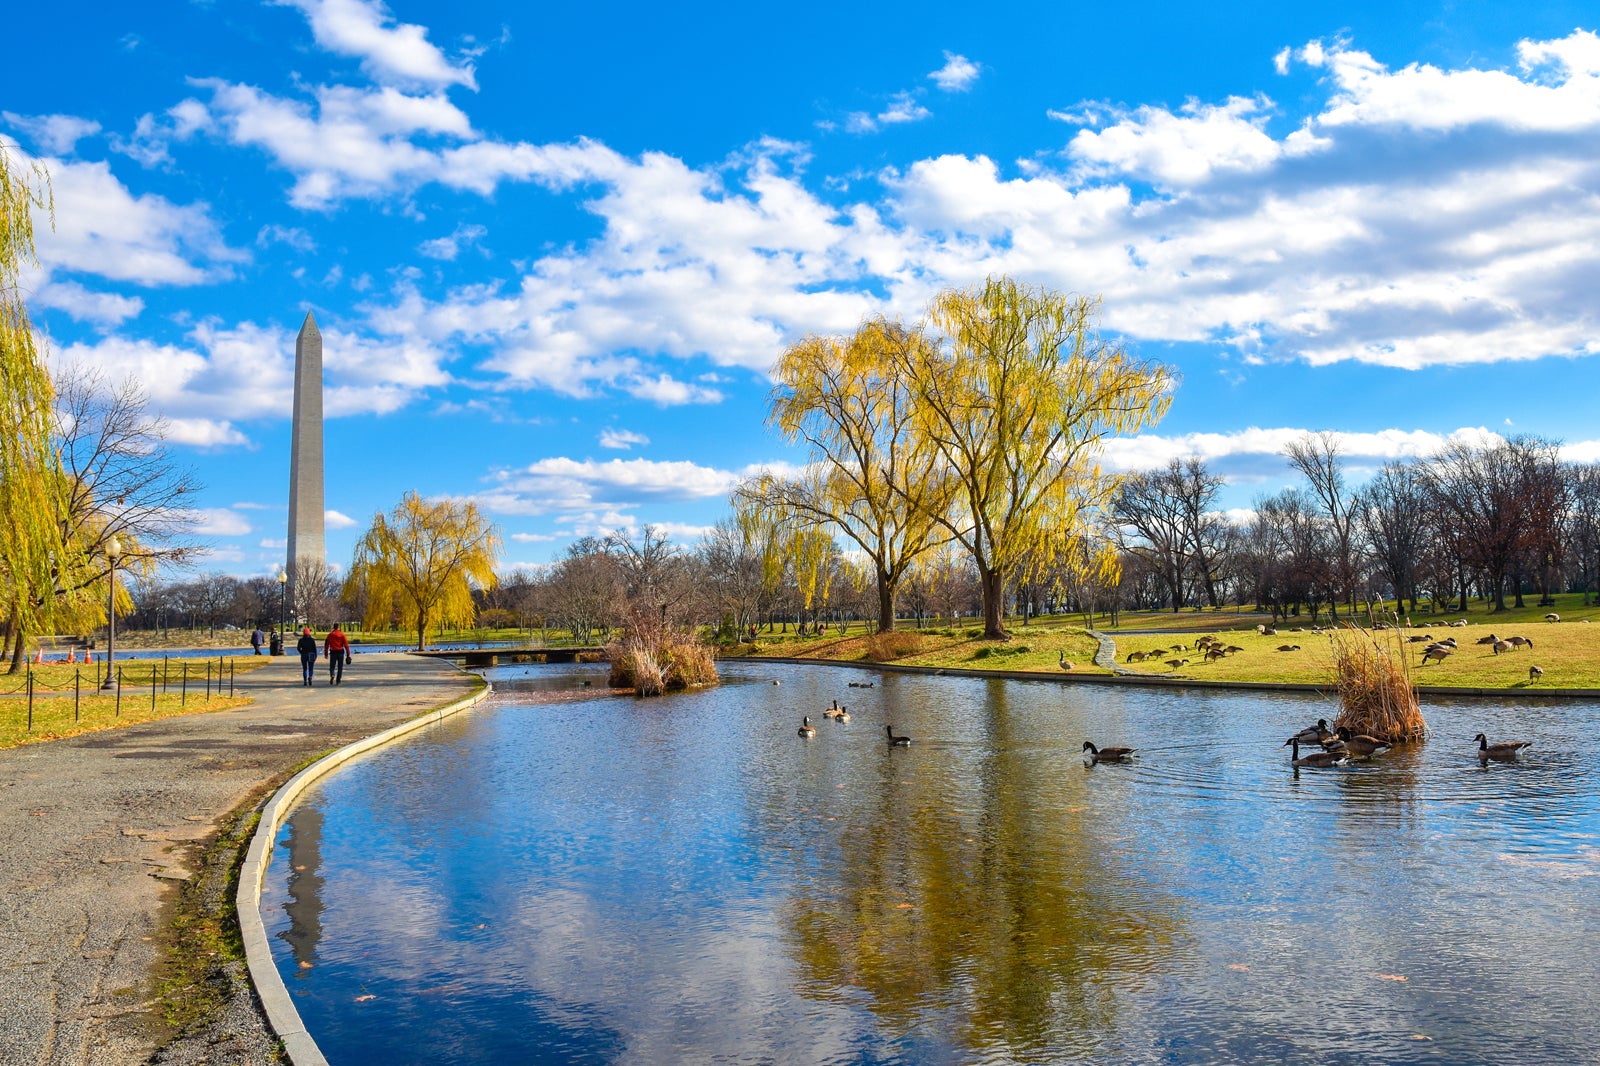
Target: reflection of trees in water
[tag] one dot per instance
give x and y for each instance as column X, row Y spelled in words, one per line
column 977, row 893
column 305, row 885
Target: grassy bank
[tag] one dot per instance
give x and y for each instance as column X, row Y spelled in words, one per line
column 66, row 701
column 1567, row 652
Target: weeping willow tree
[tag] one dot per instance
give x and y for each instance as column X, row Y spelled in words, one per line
column 869, row 476
column 31, row 544
column 1016, row 403
column 422, row 560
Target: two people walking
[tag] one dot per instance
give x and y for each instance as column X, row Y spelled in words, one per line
column 336, row 648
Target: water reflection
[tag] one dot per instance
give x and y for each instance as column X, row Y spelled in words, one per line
column 554, row 879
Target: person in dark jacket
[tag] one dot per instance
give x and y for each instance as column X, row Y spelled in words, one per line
column 337, row 649
column 307, row 647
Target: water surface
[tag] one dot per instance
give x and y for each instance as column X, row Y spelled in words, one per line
column 609, row 880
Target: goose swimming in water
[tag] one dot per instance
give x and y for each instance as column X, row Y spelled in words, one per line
column 1107, row 754
column 898, row 742
column 1505, row 751
column 1318, row 759
column 807, row 730
column 1311, row 734
column 1361, row 745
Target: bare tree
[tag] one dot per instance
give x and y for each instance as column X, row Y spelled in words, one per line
column 1316, row 456
column 1394, row 518
column 1150, row 505
column 121, row 482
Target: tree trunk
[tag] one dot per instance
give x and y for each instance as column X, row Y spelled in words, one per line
column 992, row 585
column 422, row 629
column 886, row 604
column 19, row 652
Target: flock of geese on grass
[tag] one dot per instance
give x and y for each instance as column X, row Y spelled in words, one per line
column 1339, row 747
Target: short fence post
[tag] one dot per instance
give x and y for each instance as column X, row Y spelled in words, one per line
column 165, row 662
column 152, row 688
column 30, row 700
column 208, row 680
column 230, row 680
column 119, row 690
column 183, row 692
column 77, row 689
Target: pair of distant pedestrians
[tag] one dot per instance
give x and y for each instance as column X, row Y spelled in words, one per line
column 336, row 648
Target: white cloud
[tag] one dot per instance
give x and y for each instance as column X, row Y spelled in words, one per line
column 220, row 522
column 1190, row 147
column 100, row 308
column 52, row 134
column 389, row 52
column 957, row 75
column 532, row 538
column 1149, row 450
column 293, row 236
column 621, row 439
column 101, row 228
column 903, row 107
column 669, row 392
column 338, row 520
column 447, row 248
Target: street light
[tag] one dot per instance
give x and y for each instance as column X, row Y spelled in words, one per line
column 113, row 550
column 283, row 602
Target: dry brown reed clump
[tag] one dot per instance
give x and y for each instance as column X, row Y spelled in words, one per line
column 1376, row 694
column 670, row 664
column 895, row 644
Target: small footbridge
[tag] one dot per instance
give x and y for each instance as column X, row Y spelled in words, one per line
column 544, row 653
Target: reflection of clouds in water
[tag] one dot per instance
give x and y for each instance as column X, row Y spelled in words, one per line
column 707, row 995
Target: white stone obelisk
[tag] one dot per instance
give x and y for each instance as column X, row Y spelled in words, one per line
column 306, row 541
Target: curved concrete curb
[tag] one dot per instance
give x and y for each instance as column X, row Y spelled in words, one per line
column 282, row 1015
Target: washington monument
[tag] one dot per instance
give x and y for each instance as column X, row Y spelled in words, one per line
column 306, row 544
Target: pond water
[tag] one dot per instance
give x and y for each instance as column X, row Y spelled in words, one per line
column 559, row 877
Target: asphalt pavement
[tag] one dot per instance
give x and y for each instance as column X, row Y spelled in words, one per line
column 97, row 831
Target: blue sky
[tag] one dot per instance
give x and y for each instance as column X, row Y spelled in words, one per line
column 554, row 251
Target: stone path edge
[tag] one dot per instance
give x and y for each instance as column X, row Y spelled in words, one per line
column 282, row 1015
column 1155, row 681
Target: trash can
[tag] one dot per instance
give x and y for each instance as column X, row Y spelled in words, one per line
column 275, row 643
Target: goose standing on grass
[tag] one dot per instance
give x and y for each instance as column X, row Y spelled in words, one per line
column 1062, row 662
column 1317, row 759
column 1361, row 745
column 1311, row 734
column 807, row 730
column 1506, row 751
column 1107, row 754
column 894, row 741
column 1534, row 674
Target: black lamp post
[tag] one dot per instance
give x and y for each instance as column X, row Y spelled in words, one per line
column 283, row 602
column 113, row 551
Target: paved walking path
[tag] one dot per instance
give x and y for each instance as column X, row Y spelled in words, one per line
column 96, row 830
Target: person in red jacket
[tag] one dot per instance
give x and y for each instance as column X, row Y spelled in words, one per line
column 337, row 648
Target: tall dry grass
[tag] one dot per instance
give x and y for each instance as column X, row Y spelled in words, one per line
column 1376, row 693
column 650, row 670
column 895, row 644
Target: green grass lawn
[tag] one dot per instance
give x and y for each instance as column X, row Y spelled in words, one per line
column 1568, row 652
column 55, row 716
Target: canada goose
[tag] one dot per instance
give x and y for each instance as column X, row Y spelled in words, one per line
column 775, row 681
column 1361, row 745
column 831, row 712
column 1175, row 663
column 1424, row 639
column 1179, row 647
column 1457, row 624
column 862, row 684
column 1316, row 759
column 1062, row 662
column 1501, row 646
column 1136, row 656
column 806, row 729
column 1311, row 734
column 894, row 741
column 1552, row 617
column 1520, row 641
column 1534, row 674
column 1107, row 754
column 1288, row 647
column 1505, row 751
column 842, row 716
column 1490, row 639
column 1234, row 649
column 1434, row 652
